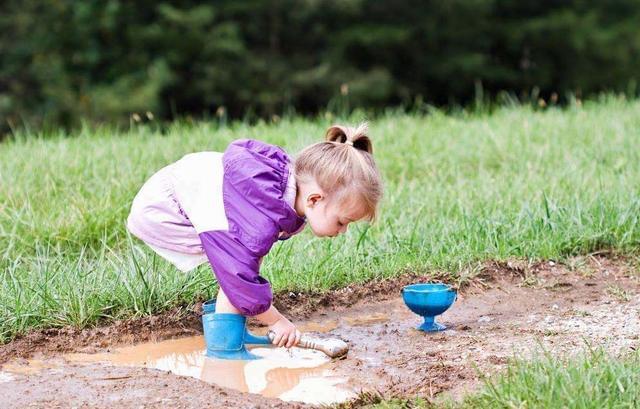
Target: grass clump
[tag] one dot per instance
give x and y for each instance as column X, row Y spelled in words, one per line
column 594, row 380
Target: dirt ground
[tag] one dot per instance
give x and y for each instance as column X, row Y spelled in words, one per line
column 510, row 310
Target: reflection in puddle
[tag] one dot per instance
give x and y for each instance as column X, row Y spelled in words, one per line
column 291, row 375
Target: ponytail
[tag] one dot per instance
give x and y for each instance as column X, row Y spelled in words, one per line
column 356, row 137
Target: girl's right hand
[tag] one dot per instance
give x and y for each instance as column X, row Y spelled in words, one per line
column 286, row 334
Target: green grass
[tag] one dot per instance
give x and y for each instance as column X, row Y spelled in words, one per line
column 591, row 381
column 595, row 380
column 459, row 189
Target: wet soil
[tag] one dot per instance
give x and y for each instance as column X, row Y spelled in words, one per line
column 510, row 310
column 181, row 322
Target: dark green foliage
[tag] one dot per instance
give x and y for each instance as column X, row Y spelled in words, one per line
column 102, row 60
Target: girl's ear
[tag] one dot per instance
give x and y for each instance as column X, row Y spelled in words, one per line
column 313, row 199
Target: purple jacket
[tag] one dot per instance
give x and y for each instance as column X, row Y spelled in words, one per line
column 228, row 208
column 253, row 187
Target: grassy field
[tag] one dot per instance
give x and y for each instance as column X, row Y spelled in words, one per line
column 459, row 189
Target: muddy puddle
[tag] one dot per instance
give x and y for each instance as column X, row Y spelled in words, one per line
column 293, row 374
column 487, row 327
column 289, row 374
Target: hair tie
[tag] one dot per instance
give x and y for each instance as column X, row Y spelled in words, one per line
column 349, row 143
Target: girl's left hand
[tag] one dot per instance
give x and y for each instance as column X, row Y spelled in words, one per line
column 286, row 334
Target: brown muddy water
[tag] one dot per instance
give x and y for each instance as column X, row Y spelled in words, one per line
column 487, row 327
column 292, row 374
column 288, row 374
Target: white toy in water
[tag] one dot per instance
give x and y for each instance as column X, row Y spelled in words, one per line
column 332, row 347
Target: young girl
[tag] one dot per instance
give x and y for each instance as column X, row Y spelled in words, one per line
column 230, row 208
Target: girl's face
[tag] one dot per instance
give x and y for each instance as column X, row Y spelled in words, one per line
column 328, row 218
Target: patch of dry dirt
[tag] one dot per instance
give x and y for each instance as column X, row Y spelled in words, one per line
column 541, row 306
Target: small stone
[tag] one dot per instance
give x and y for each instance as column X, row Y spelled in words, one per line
column 485, row 319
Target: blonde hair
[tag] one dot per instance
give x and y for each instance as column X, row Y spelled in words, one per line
column 343, row 166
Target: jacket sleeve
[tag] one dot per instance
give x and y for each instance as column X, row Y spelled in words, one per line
column 237, row 270
column 254, row 212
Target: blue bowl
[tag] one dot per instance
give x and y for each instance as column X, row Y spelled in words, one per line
column 429, row 300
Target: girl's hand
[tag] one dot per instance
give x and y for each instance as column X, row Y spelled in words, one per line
column 286, row 334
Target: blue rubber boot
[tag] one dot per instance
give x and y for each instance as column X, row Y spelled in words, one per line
column 249, row 338
column 224, row 336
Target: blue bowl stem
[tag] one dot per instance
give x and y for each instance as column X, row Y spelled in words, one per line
column 430, row 325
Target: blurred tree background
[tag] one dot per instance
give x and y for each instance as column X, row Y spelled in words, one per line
column 63, row 61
